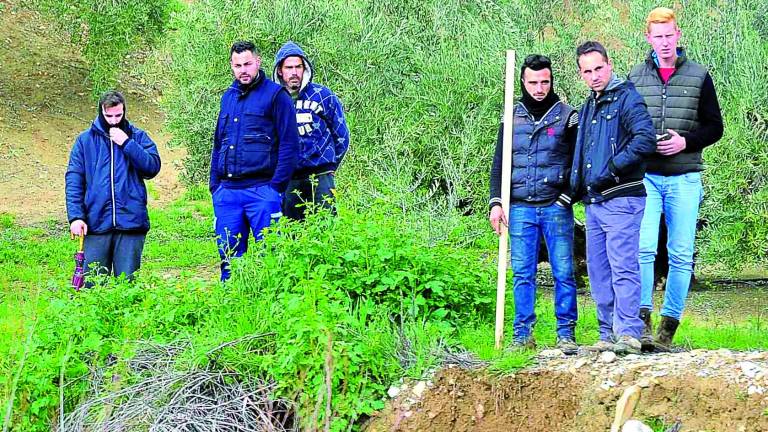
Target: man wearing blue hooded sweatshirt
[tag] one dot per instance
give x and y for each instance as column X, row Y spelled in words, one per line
column 255, row 147
column 323, row 133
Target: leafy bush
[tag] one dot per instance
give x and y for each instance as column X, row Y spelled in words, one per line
column 375, row 256
column 353, row 302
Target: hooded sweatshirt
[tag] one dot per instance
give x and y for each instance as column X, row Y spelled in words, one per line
column 323, row 131
column 105, row 181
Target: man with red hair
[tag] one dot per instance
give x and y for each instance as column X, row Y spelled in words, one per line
column 681, row 99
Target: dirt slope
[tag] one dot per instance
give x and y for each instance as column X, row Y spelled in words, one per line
column 706, row 390
column 44, row 104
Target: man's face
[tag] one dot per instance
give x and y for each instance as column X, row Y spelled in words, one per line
column 114, row 114
column 292, row 72
column 537, row 83
column 595, row 71
column 663, row 38
column 245, row 66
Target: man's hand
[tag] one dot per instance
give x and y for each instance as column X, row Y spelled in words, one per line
column 672, row 146
column 117, row 136
column 78, row 227
column 498, row 219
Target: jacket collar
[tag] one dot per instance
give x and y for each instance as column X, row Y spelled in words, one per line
column 653, row 60
column 245, row 89
column 615, row 83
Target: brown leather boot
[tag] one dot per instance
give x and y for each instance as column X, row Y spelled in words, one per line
column 665, row 333
column 646, row 340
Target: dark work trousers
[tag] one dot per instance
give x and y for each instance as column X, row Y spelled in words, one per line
column 116, row 252
column 613, row 240
column 300, row 192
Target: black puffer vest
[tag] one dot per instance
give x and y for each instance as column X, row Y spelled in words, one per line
column 673, row 105
column 540, row 160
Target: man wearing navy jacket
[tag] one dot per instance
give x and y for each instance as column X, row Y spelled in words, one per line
column 105, row 191
column 614, row 139
column 255, row 149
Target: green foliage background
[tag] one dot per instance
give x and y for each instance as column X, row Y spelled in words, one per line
column 422, row 84
column 108, row 31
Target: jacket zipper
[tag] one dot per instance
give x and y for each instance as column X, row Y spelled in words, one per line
column 663, row 107
column 112, row 180
column 621, row 186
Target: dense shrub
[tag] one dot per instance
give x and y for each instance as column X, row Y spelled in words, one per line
column 108, row 31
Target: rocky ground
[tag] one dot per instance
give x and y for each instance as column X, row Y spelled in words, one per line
column 702, row 390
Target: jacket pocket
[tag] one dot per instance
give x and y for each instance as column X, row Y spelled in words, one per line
column 256, row 121
column 256, row 155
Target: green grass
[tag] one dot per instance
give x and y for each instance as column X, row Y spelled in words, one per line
column 297, row 288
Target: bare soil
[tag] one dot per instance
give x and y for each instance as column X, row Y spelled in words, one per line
column 45, row 102
column 705, row 390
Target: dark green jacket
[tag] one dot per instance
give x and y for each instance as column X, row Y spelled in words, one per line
column 678, row 105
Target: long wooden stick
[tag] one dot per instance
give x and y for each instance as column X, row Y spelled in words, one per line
column 506, row 174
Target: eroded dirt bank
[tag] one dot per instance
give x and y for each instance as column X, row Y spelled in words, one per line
column 706, row 390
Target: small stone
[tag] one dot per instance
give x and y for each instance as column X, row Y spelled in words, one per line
column 755, row 389
column 480, row 411
column 749, row 369
column 660, row 373
column 607, row 357
column 631, row 357
column 607, row 385
column 407, row 414
column 551, row 353
column 431, row 415
column 393, row 392
column 419, row 388
column 578, row 364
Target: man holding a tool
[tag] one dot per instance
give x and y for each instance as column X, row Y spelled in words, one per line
column 105, row 191
column 540, row 201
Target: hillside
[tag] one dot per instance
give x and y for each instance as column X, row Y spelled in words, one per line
column 45, row 102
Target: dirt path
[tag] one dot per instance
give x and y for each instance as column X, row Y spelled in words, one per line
column 44, row 104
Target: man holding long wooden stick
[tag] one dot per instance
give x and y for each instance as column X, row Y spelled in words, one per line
column 540, row 203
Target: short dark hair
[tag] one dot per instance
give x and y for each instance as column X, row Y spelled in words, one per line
column 241, row 46
column 588, row 47
column 536, row 62
column 111, row 98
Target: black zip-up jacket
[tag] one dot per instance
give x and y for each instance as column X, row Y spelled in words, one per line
column 615, row 136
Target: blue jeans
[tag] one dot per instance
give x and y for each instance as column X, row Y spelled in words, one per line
column 115, row 252
column 526, row 225
column 237, row 213
column 613, row 232
column 303, row 191
column 678, row 198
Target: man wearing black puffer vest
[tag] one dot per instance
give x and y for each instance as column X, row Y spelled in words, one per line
column 544, row 135
column 683, row 104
